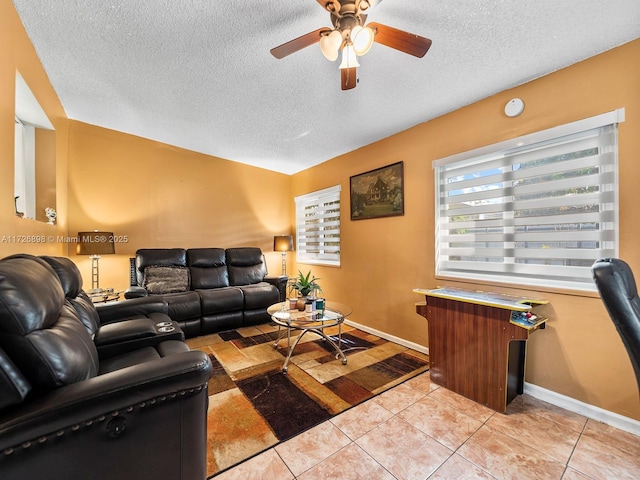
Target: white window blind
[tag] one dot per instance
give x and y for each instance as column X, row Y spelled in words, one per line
column 539, row 212
column 318, row 227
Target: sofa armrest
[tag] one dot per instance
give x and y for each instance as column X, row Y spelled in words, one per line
column 125, row 331
column 84, row 405
column 118, row 311
column 121, row 337
column 280, row 282
column 135, row 292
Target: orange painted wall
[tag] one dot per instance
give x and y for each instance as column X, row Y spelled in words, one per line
column 579, row 354
column 163, row 196
column 151, row 195
column 17, row 54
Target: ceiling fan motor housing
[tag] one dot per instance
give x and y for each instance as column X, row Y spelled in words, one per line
column 347, row 17
column 347, row 5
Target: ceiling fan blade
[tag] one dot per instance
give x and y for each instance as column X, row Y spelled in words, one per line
column 400, row 40
column 299, row 43
column 348, row 78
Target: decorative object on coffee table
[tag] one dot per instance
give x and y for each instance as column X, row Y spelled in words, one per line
column 304, row 285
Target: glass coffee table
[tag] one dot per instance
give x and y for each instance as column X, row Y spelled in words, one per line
column 104, row 296
column 333, row 315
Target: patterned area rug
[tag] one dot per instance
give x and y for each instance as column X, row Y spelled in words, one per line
column 253, row 405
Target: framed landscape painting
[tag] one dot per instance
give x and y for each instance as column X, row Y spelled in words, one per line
column 378, row 193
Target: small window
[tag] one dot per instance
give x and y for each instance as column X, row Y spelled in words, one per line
column 25, row 170
column 536, row 210
column 318, row 227
column 34, row 156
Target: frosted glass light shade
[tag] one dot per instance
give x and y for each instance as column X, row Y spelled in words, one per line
column 330, row 45
column 362, row 39
column 349, row 59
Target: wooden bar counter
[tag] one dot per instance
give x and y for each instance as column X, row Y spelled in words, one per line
column 477, row 342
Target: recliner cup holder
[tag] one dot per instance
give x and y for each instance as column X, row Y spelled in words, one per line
column 163, row 324
column 166, row 329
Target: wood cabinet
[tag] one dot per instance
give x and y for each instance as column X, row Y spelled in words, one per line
column 477, row 342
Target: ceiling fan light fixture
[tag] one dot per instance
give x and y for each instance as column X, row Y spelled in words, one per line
column 362, row 38
column 351, row 34
column 330, row 45
column 349, row 58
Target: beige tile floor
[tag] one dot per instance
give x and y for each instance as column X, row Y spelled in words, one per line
column 418, row 430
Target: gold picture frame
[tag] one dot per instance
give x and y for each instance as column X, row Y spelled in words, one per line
column 378, row 193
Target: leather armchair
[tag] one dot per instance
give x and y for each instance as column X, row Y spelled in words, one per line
column 617, row 287
column 120, row 326
column 67, row 413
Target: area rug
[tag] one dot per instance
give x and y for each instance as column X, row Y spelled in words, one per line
column 254, row 406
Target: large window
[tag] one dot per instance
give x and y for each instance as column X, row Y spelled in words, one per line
column 318, row 227
column 535, row 210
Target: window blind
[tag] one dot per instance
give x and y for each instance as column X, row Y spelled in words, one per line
column 318, row 227
column 536, row 214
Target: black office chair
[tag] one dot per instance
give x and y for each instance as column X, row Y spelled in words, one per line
column 618, row 291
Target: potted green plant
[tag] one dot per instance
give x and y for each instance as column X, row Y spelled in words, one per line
column 304, row 285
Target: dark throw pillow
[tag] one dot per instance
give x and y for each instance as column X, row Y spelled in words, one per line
column 163, row 279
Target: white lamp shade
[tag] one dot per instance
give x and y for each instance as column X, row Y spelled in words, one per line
column 330, row 45
column 362, row 39
column 349, row 59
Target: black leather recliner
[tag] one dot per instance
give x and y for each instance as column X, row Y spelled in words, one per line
column 618, row 291
column 67, row 413
column 117, row 327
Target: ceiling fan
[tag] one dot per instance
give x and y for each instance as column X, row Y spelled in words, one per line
column 353, row 37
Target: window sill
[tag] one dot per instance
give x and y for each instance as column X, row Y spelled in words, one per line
column 521, row 287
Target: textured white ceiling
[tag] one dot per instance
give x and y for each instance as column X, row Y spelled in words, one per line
column 198, row 73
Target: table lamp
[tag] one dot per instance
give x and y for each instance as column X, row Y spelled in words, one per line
column 95, row 244
column 284, row 244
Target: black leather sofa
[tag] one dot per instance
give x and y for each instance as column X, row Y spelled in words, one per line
column 207, row 290
column 71, row 410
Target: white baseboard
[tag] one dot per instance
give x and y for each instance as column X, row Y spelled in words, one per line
column 391, row 338
column 596, row 413
column 590, row 411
